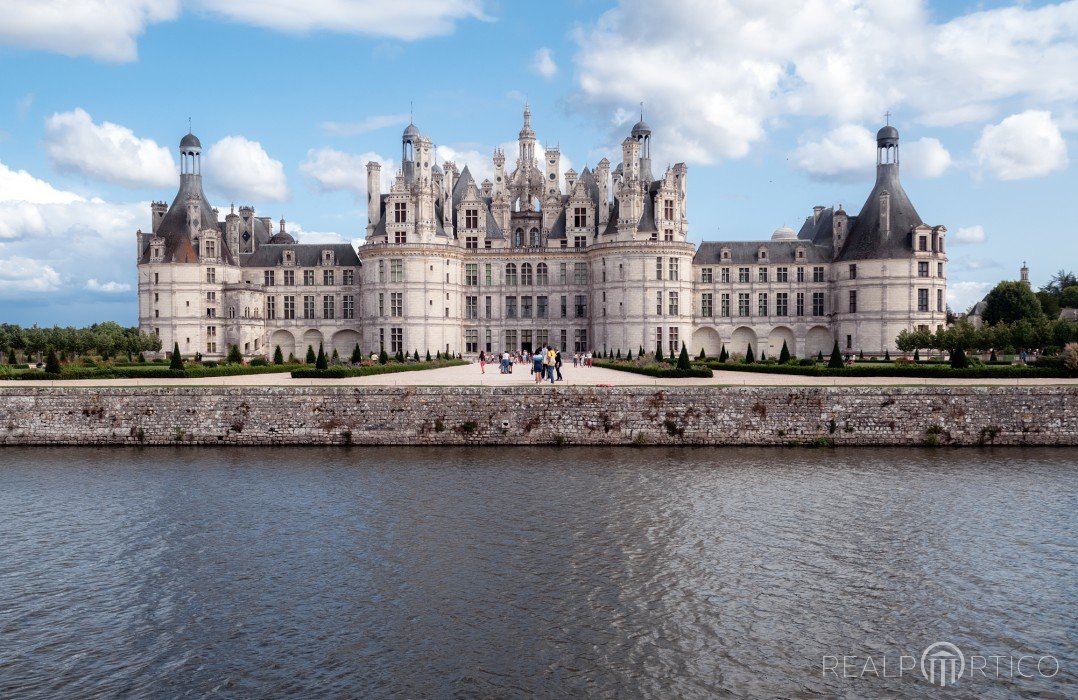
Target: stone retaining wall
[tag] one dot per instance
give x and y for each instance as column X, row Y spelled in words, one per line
column 529, row 415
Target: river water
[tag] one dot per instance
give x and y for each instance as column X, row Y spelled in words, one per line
column 550, row 572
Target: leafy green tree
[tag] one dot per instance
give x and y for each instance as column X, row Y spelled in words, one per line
column 749, row 356
column 52, row 362
column 177, row 361
column 234, row 357
column 292, row 358
column 683, row 358
column 784, row 354
column 1050, row 303
column 311, row 359
column 320, row 361
column 1068, row 298
column 1060, row 281
column 278, row 356
column 1063, row 332
column 357, row 355
column 836, row 358
column 1010, row 302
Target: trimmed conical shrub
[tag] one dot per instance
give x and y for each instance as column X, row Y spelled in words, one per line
column 383, row 357
column 416, row 355
column 836, row 358
column 428, row 355
column 399, row 357
column 763, row 355
column 992, row 357
column 784, row 354
column 311, row 359
column 917, row 355
column 320, row 360
column 886, row 355
column 177, row 361
column 723, row 355
column 278, row 356
column 749, row 356
column 234, row 357
column 629, row 356
column 357, row 355
column 335, row 357
column 659, row 353
column 683, row 358
column 618, row 355
column 958, row 358
column 819, row 356
column 52, row 362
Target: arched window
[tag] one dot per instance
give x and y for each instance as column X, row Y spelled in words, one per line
column 535, row 237
column 542, row 275
column 232, row 312
column 518, row 237
column 510, row 273
column 526, row 274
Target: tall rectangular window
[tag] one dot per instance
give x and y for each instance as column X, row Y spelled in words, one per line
column 471, row 307
column 562, row 276
column 817, row 274
column 471, row 274
column 381, row 270
column 743, row 304
column 510, row 307
column 668, row 209
column 511, row 340
column 922, row 243
column 922, row 268
column 396, row 303
column 672, row 297
column 525, row 307
column 328, row 306
column 939, row 269
column 396, row 270
column 853, row 271
column 488, row 273
column 817, row 303
column 762, row 275
column 675, row 345
column 541, row 304
column 853, row 301
column 705, row 275
column 782, row 274
column 268, row 278
column 564, row 306
column 471, row 218
column 271, row 307
column 725, row 305
column 396, row 339
column 658, row 268
column 939, row 300
column 674, row 268
column 800, row 274
column 706, row 304
column 580, row 273
column 659, row 303
column 348, row 306
column 782, row 304
column 658, row 338
column 211, row 275
column 580, row 339
column 800, row 310
column 725, row 277
column 308, row 278
column 581, row 305
column 762, row 304
column 381, row 304
column 308, row 306
column 471, row 340
column 922, row 300
column 289, row 307
column 400, row 212
column 742, row 274
column 328, row 277
column 580, row 217
column 487, row 303
column 348, row 277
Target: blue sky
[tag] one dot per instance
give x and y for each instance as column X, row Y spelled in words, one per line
column 772, row 105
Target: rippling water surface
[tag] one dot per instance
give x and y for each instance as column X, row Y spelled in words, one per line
column 514, row 572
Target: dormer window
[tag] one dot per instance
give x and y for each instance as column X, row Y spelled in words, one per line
column 762, row 254
column 471, row 218
column 800, row 253
column 400, row 212
column 327, row 257
column 725, row 254
column 289, row 257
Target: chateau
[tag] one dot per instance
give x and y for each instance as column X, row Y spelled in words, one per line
column 596, row 260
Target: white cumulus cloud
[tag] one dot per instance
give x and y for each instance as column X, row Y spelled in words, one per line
column 107, row 287
column 847, row 153
column 716, row 76
column 962, row 295
column 334, row 170
column 924, row 158
column 1022, row 146
column 968, row 234
column 21, row 276
column 402, row 19
column 106, row 151
column 241, row 169
column 543, row 63
column 103, row 29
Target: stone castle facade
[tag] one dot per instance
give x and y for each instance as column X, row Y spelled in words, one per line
column 597, row 260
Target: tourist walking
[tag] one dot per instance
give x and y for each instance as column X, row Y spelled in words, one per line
column 482, row 362
column 537, row 368
column 557, row 365
column 548, row 363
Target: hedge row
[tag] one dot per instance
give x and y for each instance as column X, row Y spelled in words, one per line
column 929, row 372
column 367, row 370
column 151, row 372
column 661, row 372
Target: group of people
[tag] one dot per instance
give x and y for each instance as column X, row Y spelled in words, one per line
column 545, row 363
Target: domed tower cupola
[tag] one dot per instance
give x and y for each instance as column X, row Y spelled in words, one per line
column 190, row 155
column 409, row 141
column 641, row 133
column 887, row 146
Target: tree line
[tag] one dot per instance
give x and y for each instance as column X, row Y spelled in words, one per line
column 107, row 340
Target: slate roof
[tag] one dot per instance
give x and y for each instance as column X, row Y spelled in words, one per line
column 865, row 240
column 173, row 227
column 307, row 254
column 744, row 253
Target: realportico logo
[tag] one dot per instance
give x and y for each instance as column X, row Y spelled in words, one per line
column 942, row 664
